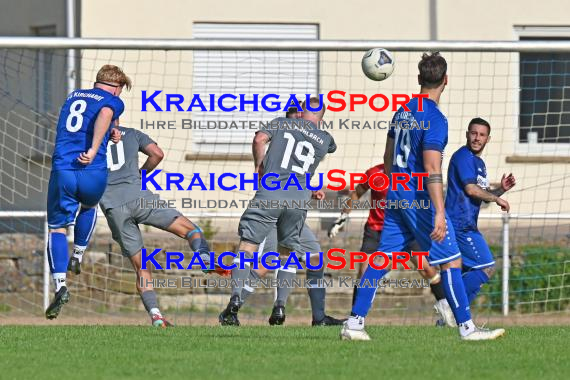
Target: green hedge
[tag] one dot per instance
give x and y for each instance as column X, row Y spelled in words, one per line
column 539, row 280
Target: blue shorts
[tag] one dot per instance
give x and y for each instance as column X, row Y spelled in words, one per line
column 474, row 250
column 403, row 226
column 69, row 188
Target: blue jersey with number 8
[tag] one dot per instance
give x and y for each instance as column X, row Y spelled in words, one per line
column 413, row 132
column 76, row 125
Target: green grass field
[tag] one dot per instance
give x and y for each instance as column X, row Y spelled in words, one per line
column 85, row 352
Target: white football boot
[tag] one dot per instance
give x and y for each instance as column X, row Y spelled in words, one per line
column 443, row 309
column 353, row 329
column 480, row 333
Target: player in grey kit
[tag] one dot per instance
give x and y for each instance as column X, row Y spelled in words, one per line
column 309, row 243
column 121, row 204
column 296, row 147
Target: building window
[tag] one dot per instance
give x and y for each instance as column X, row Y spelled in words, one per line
column 248, row 72
column 544, row 116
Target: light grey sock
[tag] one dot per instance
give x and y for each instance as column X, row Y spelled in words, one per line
column 149, row 300
column 317, row 295
column 240, row 276
column 287, row 275
column 248, row 291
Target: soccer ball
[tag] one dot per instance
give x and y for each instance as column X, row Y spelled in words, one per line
column 378, row 64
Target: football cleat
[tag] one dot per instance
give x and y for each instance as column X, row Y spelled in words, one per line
column 328, row 321
column 60, row 299
column 484, row 334
column 217, row 269
column 444, row 310
column 353, row 329
column 158, row 320
column 229, row 317
column 277, row 317
column 74, row 265
column 440, row 323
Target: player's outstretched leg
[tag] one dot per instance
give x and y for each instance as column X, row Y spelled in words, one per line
column 459, row 303
column 57, row 256
column 184, row 228
column 84, row 225
column 147, row 293
column 353, row 328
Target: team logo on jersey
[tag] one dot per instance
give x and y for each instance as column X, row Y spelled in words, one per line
column 482, row 182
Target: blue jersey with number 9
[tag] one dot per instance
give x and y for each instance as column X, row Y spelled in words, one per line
column 76, row 125
column 413, row 132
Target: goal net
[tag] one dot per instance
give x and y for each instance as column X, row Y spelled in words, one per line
column 524, row 95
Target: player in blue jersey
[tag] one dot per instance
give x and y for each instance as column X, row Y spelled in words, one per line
column 467, row 187
column 413, row 149
column 79, row 171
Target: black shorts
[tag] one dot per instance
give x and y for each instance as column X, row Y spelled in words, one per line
column 370, row 240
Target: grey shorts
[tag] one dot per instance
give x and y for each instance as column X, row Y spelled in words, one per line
column 257, row 223
column 308, row 242
column 124, row 223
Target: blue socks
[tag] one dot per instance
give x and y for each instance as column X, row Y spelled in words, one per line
column 367, row 291
column 455, row 294
column 57, row 252
column 473, row 281
column 84, row 226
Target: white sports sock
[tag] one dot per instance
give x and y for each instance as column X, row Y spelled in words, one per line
column 355, row 323
column 466, row 328
column 58, row 280
column 78, row 252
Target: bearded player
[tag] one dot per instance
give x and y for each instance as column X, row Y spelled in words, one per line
column 411, row 151
column 293, row 151
column 467, row 187
column 79, row 171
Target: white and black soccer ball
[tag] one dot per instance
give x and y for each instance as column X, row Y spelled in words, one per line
column 378, row 64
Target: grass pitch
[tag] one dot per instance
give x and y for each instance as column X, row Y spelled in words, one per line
column 86, row 352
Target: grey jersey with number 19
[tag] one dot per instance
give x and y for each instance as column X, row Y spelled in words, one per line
column 124, row 181
column 296, row 147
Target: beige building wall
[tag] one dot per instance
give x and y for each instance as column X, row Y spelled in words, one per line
column 480, row 84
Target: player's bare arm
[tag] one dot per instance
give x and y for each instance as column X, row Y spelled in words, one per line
column 258, row 149
column 388, row 156
column 507, row 183
column 102, row 125
column 432, row 164
column 474, row 191
column 155, row 156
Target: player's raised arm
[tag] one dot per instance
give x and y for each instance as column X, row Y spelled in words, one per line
column 432, row 164
column 474, row 191
column 507, row 183
column 258, row 149
column 155, row 156
column 389, row 155
column 102, row 124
